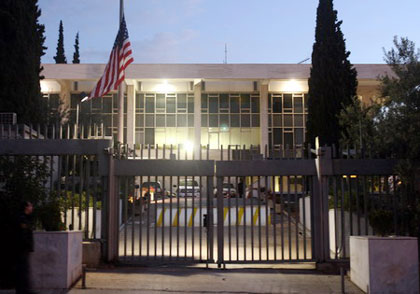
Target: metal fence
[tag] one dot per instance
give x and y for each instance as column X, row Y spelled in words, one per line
column 234, row 205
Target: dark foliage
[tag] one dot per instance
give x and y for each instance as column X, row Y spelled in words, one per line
column 333, row 79
column 60, row 56
column 21, row 48
column 76, row 54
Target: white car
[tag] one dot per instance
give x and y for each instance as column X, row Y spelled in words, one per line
column 228, row 190
column 188, row 188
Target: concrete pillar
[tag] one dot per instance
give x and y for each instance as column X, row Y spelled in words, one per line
column 65, row 97
column 263, row 115
column 131, row 114
column 197, row 118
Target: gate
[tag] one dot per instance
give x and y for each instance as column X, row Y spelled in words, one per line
column 182, row 211
column 166, row 210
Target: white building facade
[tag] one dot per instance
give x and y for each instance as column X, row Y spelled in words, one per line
column 192, row 104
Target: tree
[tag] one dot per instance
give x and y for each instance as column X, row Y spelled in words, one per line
column 21, row 47
column 333, row 79
column 60, row 57
column 76, row 55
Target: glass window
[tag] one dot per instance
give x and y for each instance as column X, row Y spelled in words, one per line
column 234, row 120
column 287, row 100
column 213, row 121
column 299, row 136
column 170, row 104
column 255, row 105
column 139, row 100
column 96, row 103
column 170, row 120
column 139, row 120
column 107, row 104
column 224, row 120
column 191, row 104
column 150, row 104
column 277, row 136
column 160, row 120
column 305, row 100
column 224, row 101
column 181, row 120
column 245, row 101
column 234, row 104
column 255, row 120
column 277, row 121
column 245, row 121
column 204, row 101
column 214, row 105
column 114, row 100
column 190, row 120
column 269, row 121
column 182, row 101
column 204, row 120
column 269, row 101
column 160, row 100
column 107, row 120
column 74, row 100
column 298, row 120
column 277, row 104
column 288, row 140
column 150, row 136
column 150, row 120
column 298, row 102
column 288, row 120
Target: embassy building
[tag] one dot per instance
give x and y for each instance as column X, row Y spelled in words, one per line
column 192, row 104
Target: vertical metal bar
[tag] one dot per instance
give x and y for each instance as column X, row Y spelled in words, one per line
column 81, row 169
column 350, row 204
column 178, row 211
column 358, row 205
column 220, row 223
column 281, row 216
column 289, row 218
column 210, row 234
column 148, row 199
column 66, row 194
column 229, row 220
column 343, row 240
column 73, row 190
column 201, row 215
column 125, row 221
column 133, row 215
column 87, row 197
column 304, row 189
column 365, row 205
column 335, row 216
column 185, row 217
column 95, row 197
column 238, row 220
column 296, row 218
column 192, row 218
column 156, row 214
column 394, row 205
column 163, row 196
column 141, row 216
column 267, row 213
column 274, row 218
column 170, row 215
column 259, row 218
column 245, row 219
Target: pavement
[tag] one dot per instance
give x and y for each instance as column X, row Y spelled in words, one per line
column 130, row 280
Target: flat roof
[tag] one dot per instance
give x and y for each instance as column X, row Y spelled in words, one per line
column 203, row 71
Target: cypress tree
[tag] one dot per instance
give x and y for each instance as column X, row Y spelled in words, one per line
column 60, row 57
column 333, row 79
column 76, row 54
column 21, row 48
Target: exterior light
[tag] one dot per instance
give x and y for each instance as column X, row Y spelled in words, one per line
column 189, row 146
column 164, row 87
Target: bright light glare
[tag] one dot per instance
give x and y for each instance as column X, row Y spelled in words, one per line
column 293, row 86
column 164, row 87
column 189, row 146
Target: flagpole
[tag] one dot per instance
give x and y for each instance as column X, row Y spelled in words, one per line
column 120, row 129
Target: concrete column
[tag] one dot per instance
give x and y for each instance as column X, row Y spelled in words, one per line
column 65, row 97
column 263, row 115
column 197, row 118
column 131, row 114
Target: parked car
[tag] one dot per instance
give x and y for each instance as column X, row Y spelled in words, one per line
column 188, row 188
column 228, row 190
column 154, row 189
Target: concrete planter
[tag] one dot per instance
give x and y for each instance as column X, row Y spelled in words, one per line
column 57, row 260
column 384, row 264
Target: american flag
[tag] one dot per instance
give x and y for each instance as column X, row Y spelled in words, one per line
column 120, row 59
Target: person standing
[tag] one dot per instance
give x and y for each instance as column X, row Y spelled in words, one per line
column 25, row 245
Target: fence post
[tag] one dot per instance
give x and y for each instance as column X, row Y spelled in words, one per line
column 112, row 214
column 324, row 168
column 220, row 223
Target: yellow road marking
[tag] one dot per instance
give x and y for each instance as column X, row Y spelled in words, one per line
column 177, row 214
column 160, row 219
column 239, row 216
column 225, row 212
column 257, row 212
column 190, row 223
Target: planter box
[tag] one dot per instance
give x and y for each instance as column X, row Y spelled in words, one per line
column 384, row 264
column 57, row 260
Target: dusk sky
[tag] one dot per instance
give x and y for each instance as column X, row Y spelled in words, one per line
column 195, row 31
